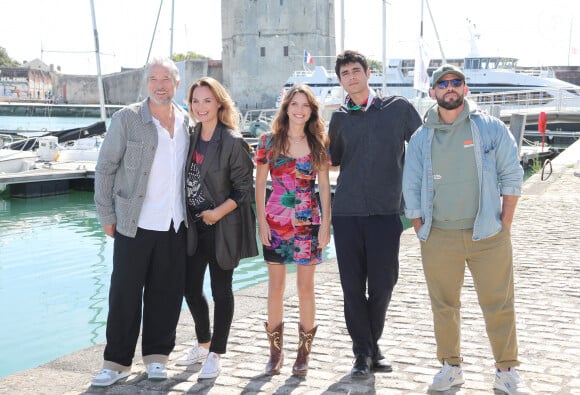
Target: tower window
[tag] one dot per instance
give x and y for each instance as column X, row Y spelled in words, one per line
column 285, row 50
column 262, row 51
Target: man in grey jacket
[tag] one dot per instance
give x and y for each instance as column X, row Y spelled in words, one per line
column 139, row 186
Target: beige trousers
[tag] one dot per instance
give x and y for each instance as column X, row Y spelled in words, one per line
column 445, row 254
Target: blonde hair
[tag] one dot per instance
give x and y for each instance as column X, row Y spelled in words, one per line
column 227, row 113
column 314, row 128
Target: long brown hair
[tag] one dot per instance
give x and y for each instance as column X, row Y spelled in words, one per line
column 314, row 128
column 227, row 113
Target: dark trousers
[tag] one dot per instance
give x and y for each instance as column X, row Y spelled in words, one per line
column 367, row 250
column 147, row 281
column 221, row 289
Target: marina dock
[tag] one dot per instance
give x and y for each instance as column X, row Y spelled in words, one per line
column 25, row 109
column 49, row 178
column 52, row 178
column 545, row 236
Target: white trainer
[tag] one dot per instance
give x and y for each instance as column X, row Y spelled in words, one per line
column 510, row 382
column 449, row 376
column 156, row 371
column 196, row 354
column 211, row 368
column 107, row 377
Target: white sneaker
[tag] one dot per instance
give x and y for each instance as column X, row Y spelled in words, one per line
column 510, row 382
column 211, row 368
column 196, row 354
column 107, row 377
column 449, row 376
column 156, row 371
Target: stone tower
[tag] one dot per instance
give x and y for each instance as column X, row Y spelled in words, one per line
column 263, row 43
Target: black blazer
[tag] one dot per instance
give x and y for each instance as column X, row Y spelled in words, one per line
column 227, row 166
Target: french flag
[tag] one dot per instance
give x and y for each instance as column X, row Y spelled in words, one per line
column 308, row 58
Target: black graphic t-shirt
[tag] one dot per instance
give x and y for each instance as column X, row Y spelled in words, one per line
column 196, row 201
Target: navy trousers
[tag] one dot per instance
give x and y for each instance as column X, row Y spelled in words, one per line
column 147, row 280
column 367, row 250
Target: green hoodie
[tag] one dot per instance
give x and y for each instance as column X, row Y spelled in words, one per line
column 455, row 182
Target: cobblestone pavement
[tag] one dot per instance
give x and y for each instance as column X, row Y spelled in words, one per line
column 546, row 239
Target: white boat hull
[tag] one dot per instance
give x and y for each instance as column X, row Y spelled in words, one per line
column 14, row 161
column 81, row 150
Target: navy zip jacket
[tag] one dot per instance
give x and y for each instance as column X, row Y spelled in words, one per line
column 369, row 147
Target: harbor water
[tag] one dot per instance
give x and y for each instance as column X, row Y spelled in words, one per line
column 38, row 125
column 55, row 267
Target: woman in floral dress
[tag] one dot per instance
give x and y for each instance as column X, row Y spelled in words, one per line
column 291, row 226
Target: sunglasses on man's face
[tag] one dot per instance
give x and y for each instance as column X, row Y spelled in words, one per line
column 456, row 83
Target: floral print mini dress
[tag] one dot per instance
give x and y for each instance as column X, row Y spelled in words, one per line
column 292, row 210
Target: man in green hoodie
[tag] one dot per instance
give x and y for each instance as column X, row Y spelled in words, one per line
column 461, row 183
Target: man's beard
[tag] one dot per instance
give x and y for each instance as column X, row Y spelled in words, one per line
column 159, row 101
column 450, row 105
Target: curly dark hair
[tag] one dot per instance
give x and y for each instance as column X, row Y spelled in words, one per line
column 347, row 57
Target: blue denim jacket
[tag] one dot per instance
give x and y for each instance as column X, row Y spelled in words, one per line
column 498, row 168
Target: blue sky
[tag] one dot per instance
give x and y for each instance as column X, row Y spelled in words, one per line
column 60, row 32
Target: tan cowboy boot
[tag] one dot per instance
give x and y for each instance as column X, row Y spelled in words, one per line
column 276, row 339
column 300, row 367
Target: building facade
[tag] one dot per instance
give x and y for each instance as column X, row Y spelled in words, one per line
column 25, row 84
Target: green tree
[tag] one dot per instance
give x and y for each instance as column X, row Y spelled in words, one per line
column 178, row 57
column 375, row 65
column 5, row 60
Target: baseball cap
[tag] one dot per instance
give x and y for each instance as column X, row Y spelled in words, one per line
column 444, row 70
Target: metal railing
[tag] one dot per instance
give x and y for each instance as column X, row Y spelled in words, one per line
column 256, row 122
column 522, row 101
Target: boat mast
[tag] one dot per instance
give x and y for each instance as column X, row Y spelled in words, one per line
column 342, row 30
column 384, row 86
column 171, row 37
column 342, row 25
column 420, row 75
column 97, row 53
column 570, row 40
column 436, row 33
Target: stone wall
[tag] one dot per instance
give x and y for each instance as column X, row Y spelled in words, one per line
column 128, row 86
column 263, row 43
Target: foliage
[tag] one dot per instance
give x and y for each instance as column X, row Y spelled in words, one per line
column 5, row 60
column 536, row 166
column 178, row 57
column 375, row 65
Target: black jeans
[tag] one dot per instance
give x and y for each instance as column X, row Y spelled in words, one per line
column 147, row 278
column 221, row 289
column 367, row 250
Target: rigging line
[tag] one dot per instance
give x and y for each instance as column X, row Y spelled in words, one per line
column 139, row 96
column 76, row 52
column 154, row 31
column 436, row 32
